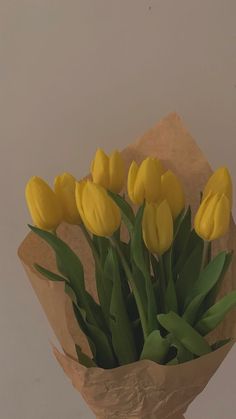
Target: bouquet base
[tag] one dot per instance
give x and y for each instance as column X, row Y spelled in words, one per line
column 143, row 390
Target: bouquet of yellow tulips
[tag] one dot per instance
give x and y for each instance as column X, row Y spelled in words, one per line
column 156, row 276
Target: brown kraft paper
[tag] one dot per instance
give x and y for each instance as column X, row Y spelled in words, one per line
column 142, row 390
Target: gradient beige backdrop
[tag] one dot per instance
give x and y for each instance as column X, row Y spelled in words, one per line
column 76, row 74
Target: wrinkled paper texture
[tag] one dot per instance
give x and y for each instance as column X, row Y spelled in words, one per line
column 142, row 390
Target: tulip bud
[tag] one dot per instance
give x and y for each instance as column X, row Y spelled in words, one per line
column 213, row 217
column 99, row 213
column 157, row 227
column 64, row 187
column 144, row 182
column 173, row 192
column 43, row 204
column 220, row 182
column 108, row 172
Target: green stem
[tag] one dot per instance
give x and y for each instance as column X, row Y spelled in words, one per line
column 91, row 245
column 162, row 278
column 205, row 255
column 131, row 281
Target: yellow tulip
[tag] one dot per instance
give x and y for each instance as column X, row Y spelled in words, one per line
column 173, row 192
column 213, row 217
column 43, row 204
column 99, row 213
column 157, row 227
column 64, row 187
column 220, row 182
column 144, row 181
column 108, row 172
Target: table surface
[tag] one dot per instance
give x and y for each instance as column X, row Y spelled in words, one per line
column 80, row 74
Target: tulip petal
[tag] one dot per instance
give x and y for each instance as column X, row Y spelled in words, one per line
column 98, row 211
column 220, row 182
column 43, row 204
column 207, row 221
column 150, row 233
column 100, row 169
column 79, row 190
column 164, row 223
column 203, row 228
column 64, row 187
column 132, row 174
column 221, row 218
column 148, row 182
column 213, row 217
column 94, row 205
column 173, row 192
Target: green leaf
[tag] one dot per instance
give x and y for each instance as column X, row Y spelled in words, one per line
column 207, row 280
column 183, row 354
column 68, row 262
column 102, row 245
column 140, row 284
column 210, row 300
column 109, row 272
column 182, row 233
column 82, row 324
column 215, row 315
column 182, row 331
column 193, row 241
column 96, row 309
column 178, row 221
column 97, row 312
column 70, row 266
column 126, row 211
column 104, row 286
column 138, row 336
column 155, row 347
column 173, row 361
column 220, row 343
column 71, row 294
column 141, row 259
column 125, row 249
column 48, row 274
column 131, row 307
column 83, row 358
column 101, row 346
column 171, row 303
column 189, row 274
column 121, row 329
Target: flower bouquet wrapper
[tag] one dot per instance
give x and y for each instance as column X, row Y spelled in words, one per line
column 143, row 389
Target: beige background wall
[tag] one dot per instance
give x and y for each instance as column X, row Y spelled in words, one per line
column 76, row 74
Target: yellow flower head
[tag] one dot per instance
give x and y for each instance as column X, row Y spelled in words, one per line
column 213, row 217
column 157, row 227
column 99, row 213
column 108, row 172
column 220, row 182
column 64, row 187
column 43, row 204
column 173, row 192
column 144, row 181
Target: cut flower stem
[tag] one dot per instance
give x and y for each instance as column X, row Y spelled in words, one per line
column 131, row 281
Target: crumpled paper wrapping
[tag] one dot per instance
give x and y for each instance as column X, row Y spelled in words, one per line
column 142, row 390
